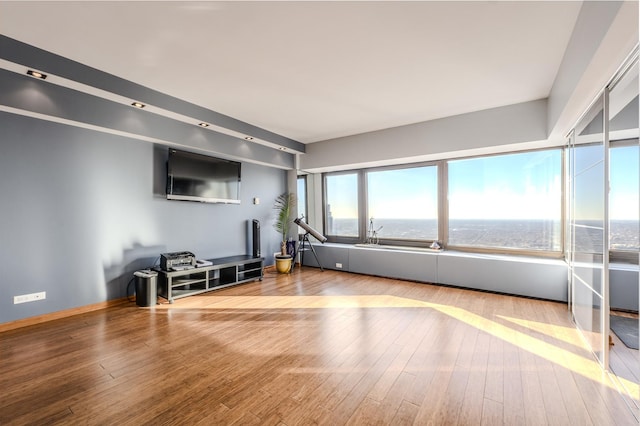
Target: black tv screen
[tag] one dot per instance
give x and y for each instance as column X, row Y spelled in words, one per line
column 196, row 177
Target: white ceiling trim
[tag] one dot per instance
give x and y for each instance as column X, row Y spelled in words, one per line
column 114, row 97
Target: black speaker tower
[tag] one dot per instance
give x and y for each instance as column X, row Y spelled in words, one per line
column 255, row 231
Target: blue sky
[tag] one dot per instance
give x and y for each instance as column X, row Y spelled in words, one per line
column 404, row 193
column 623, row 198
column 515, row 186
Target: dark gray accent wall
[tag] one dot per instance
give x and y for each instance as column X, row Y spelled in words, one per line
column 82, row 210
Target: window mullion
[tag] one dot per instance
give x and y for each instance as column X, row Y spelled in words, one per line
column 443, row 203
column 362, row 206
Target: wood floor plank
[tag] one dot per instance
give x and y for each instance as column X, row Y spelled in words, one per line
column 414, row 336
column 420, row 364
column 491, row 413
column 368, row 412
column 437, row 403
column 534, row 413
column 406, row 414
column 570, row 395
column 476, row 391
column 513, row 396
column 352, row 400
column 306, row 348
column 551, row 398
column 351, row 389
column 392, row 403
column 494, row 380
column 343, row 373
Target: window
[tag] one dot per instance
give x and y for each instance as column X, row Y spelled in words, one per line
column 623, row 198
column 302, row 197
column 508, row 202
column 341, row 205
column 503, row 203
column 403, row 203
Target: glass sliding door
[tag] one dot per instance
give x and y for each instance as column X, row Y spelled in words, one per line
column 603, row 226
column 624, row 215
column 589, row 228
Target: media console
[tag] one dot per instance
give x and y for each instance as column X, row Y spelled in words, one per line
column 222, row 272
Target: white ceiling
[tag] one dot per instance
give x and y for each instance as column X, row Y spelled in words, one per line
column 314, row 70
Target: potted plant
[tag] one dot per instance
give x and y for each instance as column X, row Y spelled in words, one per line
column 284, row 207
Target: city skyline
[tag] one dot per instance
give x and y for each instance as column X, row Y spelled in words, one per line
column 519, row 234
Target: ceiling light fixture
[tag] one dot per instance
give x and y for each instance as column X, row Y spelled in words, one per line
column 138, row 105
column 203, row 125
column 36, row 74
column 282, row 148
column 248, row 138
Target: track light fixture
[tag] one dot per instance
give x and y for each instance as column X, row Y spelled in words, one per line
column 36, row 74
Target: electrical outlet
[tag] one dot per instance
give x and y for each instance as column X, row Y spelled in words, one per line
column 339, row 265
column 24, row 298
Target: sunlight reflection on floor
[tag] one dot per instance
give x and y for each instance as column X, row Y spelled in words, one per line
column 584, row 366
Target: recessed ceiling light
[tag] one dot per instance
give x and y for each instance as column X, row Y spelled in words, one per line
column 138, row 105
column 36, row 74
column 282, row 148
column 248, row 138
column 203, row 125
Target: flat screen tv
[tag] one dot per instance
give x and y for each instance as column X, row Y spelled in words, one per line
column 196, row 177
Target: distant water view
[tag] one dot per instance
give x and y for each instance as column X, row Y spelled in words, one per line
column 521, row 234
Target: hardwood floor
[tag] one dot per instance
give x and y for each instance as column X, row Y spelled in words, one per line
column 310, row 348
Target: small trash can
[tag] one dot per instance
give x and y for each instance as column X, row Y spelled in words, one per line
column 146, row 287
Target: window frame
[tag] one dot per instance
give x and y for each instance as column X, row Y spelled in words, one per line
column 363, row 214
column 443, row 207
column 402, row 242
column 559, row 254
column 306, row 196
column 339, row 238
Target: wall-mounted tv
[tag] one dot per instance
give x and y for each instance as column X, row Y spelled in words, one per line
column 196, row 177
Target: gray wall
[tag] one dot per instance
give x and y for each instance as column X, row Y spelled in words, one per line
column 623, row 287
column 82, row 210
column 465, row 134
column 604, row 34
column 518, row 275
